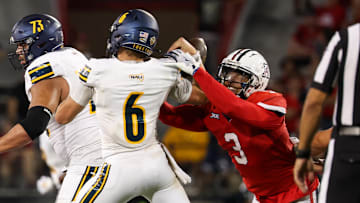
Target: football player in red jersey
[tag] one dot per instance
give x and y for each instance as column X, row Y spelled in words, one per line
column 248, row 122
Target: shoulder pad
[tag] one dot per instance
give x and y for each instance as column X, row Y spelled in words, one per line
column 269, row 100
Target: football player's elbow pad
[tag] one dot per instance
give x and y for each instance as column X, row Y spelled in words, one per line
column 36, row 121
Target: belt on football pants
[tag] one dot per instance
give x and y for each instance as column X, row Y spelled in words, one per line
column 349, row 131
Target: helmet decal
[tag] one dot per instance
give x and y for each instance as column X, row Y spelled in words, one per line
column 122, row 18
column 37, row 26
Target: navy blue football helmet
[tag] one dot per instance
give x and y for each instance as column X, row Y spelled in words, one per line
column 39, row 33
column 134, row 29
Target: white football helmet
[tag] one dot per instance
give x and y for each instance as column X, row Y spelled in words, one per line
column 247, row 62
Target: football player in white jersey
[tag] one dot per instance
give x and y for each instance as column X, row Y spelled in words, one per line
column 128, row 90
column 50, row 69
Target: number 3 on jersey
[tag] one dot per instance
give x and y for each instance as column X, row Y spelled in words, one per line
column 134, row 119
column 242, row 159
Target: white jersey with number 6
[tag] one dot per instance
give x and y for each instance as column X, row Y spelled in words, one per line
column 128, row 96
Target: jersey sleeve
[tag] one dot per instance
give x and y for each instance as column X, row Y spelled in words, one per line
column 326, row 72
column 44, row 68
column 41, row 69
column 88, row 75
column 182, row 90
column 82, row 90
column 236, row 108
column 81, row 93
column 188, row 117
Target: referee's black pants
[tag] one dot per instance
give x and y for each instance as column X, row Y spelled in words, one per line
column 341, row 178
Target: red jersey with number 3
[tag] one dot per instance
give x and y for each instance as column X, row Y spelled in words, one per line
column 262, row 153
column 252, row 131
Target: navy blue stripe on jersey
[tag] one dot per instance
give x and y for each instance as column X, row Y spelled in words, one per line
column 40, row 72
column 96, row 188
column 84, row 73
column 89, row 172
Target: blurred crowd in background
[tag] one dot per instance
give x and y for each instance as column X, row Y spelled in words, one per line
column 214, row 177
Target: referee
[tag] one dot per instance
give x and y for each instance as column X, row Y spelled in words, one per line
column 338, row 66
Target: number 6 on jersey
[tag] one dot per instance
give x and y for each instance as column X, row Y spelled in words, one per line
column 134, row 119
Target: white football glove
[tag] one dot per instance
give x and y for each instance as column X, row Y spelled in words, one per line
column 44, row 185
column 186, row 62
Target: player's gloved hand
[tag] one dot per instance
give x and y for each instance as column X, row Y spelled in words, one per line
column 186, row 62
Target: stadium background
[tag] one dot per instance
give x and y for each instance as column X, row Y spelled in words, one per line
column 290, row 34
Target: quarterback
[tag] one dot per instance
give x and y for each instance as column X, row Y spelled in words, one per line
column 128, row 90
column 50, row 69
column 248, row 122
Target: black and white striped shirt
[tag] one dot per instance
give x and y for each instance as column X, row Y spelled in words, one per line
column 340, row 65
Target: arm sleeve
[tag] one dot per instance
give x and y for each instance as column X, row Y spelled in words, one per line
column 182, row 90
column 188, row 117
column 234, row 107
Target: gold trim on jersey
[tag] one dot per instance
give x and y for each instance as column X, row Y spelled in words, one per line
column 89, row 173
column 39, row 68
column 84, row 73
column 92, row 106
column 48, row 132
column 40, row 72
column 98, row 186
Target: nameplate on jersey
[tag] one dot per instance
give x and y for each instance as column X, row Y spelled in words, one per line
column 84, row 73
column 41, row 72
column 139, row 77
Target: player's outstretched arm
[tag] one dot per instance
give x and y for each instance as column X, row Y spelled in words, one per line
column 235, row 107
column 15, row 138
column 46, row 96
column 197, row 96
column 184, row 45
column 188, row 117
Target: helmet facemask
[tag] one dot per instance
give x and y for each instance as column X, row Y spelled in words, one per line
column 20, row 55
column 239, row 81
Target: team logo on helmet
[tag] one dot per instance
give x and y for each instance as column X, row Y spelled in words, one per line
column 122, row 18
column 266, row 73
column 152, row 40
